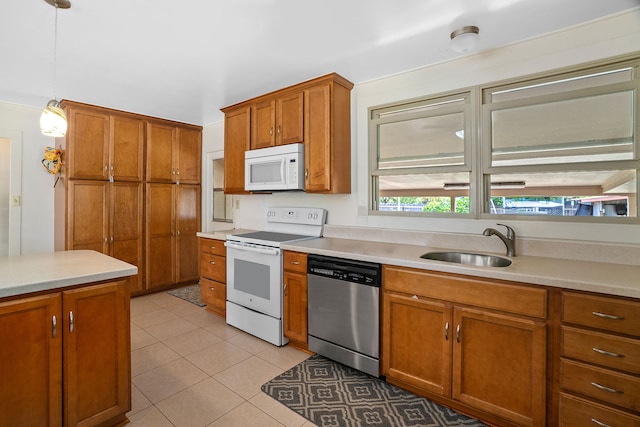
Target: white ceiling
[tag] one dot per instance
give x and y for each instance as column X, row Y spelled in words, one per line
column 184, row 60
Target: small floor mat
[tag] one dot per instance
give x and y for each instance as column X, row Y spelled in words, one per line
column 330, row 394
column 189, row 293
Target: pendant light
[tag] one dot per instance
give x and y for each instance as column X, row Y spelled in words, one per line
column 53, row 121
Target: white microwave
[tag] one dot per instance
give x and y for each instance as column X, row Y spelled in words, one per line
column 278, row 168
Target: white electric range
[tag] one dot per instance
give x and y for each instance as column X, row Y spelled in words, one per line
column 254, row 270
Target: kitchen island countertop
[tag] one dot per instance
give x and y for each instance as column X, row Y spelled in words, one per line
column 26, row 274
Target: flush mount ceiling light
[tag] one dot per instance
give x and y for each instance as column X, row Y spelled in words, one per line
column 53, row 121
column 465, row 39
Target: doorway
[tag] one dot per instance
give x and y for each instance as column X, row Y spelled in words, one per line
column 10, row 192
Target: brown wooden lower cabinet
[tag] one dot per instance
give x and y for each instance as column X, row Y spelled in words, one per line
column 66, row 357
column 213, row 275
column 462, row 352
column 294, row 314
column 172, row 220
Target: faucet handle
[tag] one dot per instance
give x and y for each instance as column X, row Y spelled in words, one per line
column 511, row 234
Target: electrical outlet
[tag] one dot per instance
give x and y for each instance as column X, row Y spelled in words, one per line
column 15, row 200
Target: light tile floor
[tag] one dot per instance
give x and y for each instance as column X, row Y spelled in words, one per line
column 190, row 369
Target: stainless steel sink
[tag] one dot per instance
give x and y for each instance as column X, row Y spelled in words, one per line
column 468, row 258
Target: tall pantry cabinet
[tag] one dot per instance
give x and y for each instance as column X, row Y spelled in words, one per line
column 102, row 201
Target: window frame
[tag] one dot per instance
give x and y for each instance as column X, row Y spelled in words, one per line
column 478, row 143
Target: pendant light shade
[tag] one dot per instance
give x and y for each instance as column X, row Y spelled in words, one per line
column 53, row 120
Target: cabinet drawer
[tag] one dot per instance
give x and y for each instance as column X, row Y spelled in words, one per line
column 479, row 292
column 576, row 412
column 603, row 349
column 295, row 261
column 213, row 267
column 610, row 314
column 213, row 294
column 621, row 389
column 212, row 246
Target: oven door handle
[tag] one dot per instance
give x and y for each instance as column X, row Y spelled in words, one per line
column 261, row 250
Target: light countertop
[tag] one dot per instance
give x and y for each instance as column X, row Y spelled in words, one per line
column 42, row 272
column 607, row 278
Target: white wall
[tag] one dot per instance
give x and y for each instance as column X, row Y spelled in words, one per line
column 37, row 183
column 603, row 39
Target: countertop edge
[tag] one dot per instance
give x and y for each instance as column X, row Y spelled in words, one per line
column 23, row 275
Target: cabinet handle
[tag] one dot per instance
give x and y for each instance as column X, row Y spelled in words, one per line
column 271, row 131
column 599, row 423
column 605, row 388
column 414, row 297
column 295, row 262
column 211, row 288
column 458, row 333
column 212, row 247
column 446, row 331
column 54, row 323
column 212, row 262
column 607, row 316
column 306, row 174
column 71, row 322
column 285, row 289
column 607, row 353
column 278, row 129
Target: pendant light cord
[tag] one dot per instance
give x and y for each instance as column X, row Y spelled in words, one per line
column 55, row 52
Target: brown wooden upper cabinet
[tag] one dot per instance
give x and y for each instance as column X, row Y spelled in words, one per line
column 316, row 113
column 277, row 121
column 102, row 145
column 173, row 153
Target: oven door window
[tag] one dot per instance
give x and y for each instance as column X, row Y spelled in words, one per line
column 254, row 281
column 250, row 278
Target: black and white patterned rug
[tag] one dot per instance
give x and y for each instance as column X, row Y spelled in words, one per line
column 333, row 395
column 189, row 293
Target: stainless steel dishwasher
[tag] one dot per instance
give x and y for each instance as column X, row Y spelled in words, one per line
column 344, row 311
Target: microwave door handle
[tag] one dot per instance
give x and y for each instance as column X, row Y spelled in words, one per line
column 283, row 166
column 261, row 250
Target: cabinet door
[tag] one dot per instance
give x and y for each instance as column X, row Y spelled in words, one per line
column 317, row 155
column 290, row 119
column 214, row 294
column 295, row 307
column 126, row 227
column 416, row 342
column 127, row 145
column 189, row 156
column 187, row 225
column 237, row 125
column 160, row 240
column 499, row 365
column 87, row 155
column 31, row 361
column 160, row 142
column 97, row 354
column 263, row 118
column 88, row 215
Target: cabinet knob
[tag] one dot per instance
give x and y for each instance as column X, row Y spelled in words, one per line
column 271, row 131
column 446, row 331
column 414, row 297
column 212, row 247
column 278, row 129
column 54, row 323
column 212, row 262
column 212, row 289
column 295, row 262
column 458, row 333
column 71, row 325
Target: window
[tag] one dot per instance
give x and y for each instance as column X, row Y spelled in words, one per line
column 563, row 145
column 422, row 158
column 219, row 206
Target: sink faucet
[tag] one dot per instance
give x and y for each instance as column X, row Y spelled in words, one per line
column 509, row 240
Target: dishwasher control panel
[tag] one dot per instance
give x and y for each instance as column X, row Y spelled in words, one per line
column 353, row 271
